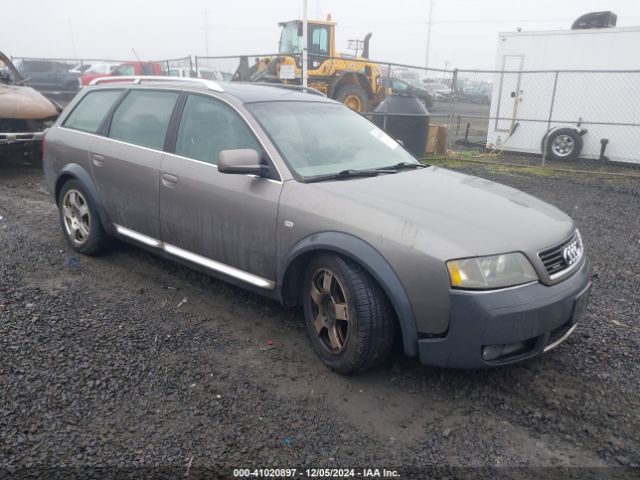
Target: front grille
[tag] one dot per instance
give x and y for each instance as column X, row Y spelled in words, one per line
column 560, row 259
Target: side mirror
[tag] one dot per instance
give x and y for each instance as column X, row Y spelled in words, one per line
column 243, row 161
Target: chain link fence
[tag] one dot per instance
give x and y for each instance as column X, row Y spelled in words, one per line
column 570, row 119
column 567, row 119
column 62, row 78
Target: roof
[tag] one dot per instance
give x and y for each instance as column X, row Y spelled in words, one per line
column 249, row 93
column 309, row 21
column 580, row 31
column 245, row 92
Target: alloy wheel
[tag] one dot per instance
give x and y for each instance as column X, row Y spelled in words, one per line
column 353, row 102
column 76, row 216
column 330, row 310
column 563, row 145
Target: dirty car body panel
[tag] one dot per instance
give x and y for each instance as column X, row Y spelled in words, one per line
column 404, row 227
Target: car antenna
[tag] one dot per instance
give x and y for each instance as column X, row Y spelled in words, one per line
column 137, row 57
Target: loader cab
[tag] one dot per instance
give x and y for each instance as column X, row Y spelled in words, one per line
column 320, row 40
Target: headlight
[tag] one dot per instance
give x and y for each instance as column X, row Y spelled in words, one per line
column 485, row 273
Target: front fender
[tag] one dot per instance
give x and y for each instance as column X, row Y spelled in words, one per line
column 371, row 260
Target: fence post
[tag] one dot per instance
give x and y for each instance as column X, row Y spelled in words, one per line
column 452, row 109
column 386, row 104
column 197, row 69
column 545, row 144
column 191, row 67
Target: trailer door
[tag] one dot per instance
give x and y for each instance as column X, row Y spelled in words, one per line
column 509, row 92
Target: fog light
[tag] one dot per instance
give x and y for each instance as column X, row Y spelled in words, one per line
column 507, row 350
column 491, row 352
column 514, row 348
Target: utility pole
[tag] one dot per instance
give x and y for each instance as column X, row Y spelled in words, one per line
column 73, row 39
column 426, row 61
column 206, row 32
column 304, row 43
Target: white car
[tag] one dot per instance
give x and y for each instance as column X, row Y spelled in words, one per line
column 439, row 90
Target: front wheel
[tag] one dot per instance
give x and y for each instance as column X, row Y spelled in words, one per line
column 353, row 96
column 348, row 316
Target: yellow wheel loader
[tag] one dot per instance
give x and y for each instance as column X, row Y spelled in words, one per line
column 350, row 79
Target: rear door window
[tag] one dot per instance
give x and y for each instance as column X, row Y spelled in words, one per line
column 208, row 127
column 143, row 118
column 90, row 112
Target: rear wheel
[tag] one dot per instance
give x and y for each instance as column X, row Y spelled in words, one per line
column 79, row 219
column 354, row 97
column 348, row 316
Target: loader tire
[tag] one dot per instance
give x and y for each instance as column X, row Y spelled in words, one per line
column 353, row 96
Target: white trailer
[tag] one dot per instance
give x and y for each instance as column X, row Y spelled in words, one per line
column 564, row 81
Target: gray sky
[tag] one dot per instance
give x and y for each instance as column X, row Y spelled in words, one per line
column 464, row 31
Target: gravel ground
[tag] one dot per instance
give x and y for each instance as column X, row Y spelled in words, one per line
column 128, row 360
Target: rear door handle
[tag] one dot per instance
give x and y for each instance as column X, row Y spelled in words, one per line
column 98, row 160
column 169, row 180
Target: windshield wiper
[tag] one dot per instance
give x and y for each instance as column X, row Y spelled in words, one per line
column 402, row 166
column 348, row 174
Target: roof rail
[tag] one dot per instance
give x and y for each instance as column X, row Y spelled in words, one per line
column 309, row 90
column 211, row 85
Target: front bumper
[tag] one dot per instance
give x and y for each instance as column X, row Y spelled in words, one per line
column 22, row 137
column 510, row 325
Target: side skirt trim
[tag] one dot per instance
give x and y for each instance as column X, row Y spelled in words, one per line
column 195, row 258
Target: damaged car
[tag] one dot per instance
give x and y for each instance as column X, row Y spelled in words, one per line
column 24, row 113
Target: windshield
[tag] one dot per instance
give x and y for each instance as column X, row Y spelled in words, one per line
column 318, row 138
column 8, row 72
column 290, row 42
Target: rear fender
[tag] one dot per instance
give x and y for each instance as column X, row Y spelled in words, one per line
column 76, row 172
column 579, row 130
column 348, row 78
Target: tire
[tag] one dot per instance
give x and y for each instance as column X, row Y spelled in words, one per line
column 563, row 144
column 365, row 338
column 353, row 96
column 79, row 220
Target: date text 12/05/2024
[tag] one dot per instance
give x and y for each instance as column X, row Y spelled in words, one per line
column 315, row 473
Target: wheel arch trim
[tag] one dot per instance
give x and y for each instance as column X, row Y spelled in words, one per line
column 78, row 173
column 344, row 77
column 579, row 130
column 367, row 257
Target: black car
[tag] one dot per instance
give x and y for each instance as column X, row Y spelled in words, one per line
column 400, row 86
column 49, row 75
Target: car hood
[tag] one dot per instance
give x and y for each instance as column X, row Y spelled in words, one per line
column 24, row 103
column 468, row 215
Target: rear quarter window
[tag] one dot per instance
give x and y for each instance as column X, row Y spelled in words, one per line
column 90, row 112
column 143, row 118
